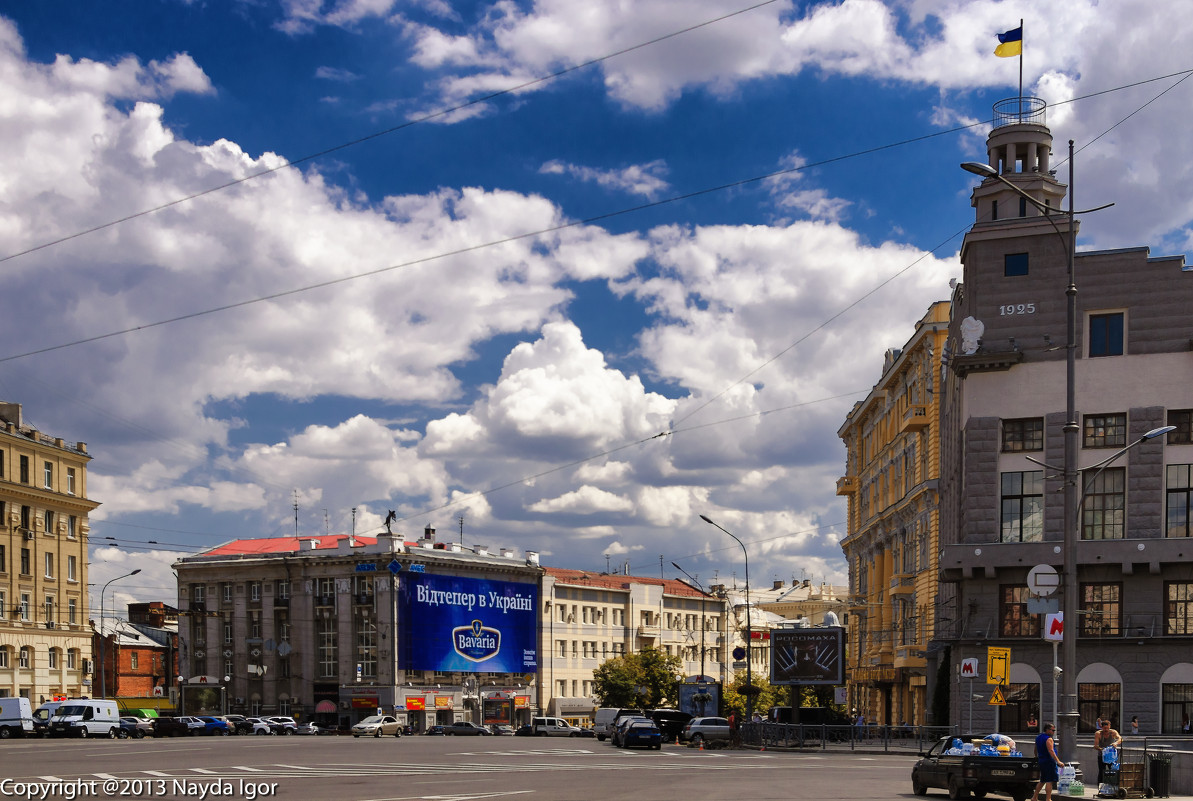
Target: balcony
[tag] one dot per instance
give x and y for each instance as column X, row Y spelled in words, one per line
column 902, row 585
column 910, row 656
column 847, row 485
column 915, row 418
column 648, row 631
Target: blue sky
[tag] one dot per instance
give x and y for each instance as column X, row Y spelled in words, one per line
column 420, row 381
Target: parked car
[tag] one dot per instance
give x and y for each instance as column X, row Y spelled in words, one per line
column 288, row 724
column 524, row 731
column 239, row 723
column 194, row 725
column 16, row 718
column 607, row 717
column 497, row 728
column 170, row 727
column 584, row 733
column 310, row 728
column 553, row 727
column 135, row 727
column 465, row 728
column 622, row 725
column 261, row 726
column 700, row 730
column 377, row 726
column 671, row 722
column 642, row 734
column 435, row 731
column 215, row 726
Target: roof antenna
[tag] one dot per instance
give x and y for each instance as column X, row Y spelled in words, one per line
column 606, row 563
column 461, row 519
column 295, row 514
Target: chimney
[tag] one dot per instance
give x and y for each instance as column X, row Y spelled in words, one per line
column 778, row 585
column 532, row 557
column 482, row 550
column 507, row 553
column 429, row 533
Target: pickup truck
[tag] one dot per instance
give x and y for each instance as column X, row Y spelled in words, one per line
column 962, row 775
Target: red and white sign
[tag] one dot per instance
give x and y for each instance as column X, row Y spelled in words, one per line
column 1054, row 626
column 969, row 668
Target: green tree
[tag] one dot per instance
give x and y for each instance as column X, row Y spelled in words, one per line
column 649, row 679
column 765, row 696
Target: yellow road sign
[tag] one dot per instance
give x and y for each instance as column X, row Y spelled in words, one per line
column 996, row 698
column 998, row 665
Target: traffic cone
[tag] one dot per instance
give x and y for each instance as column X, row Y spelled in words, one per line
column 702, row 744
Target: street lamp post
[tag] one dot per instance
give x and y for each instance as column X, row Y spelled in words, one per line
column 103, row 636
column 1067, row 717
column 749, row 688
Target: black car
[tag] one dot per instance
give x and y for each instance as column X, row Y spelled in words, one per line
column 436, row 731
column 239, row 723
column 465, row 728
column 524, row 731
column 170, row 727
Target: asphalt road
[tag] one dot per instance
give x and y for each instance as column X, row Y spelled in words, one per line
column 440, row 768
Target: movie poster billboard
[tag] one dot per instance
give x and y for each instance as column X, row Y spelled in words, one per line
column 452, row 623
column 807, row 656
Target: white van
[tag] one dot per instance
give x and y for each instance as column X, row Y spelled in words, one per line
column 86, row 717
column 606, row 718
column 16, row 718
column 554, row 727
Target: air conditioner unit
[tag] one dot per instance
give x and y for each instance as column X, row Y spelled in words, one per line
column 87, row 666
column 28, row 534
column 49, row 624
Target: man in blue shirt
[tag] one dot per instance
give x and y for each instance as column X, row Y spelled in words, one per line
column 1050, row 763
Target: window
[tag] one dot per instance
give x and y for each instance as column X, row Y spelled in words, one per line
column 226, row 593
column 48, row 475
column 1106, row 334
column 26, row 658
column 198, row 594
column 228, row 667
column 71, row 566
column 70, row 481
column 1022, row 207
column 1023, row 506
column 3, row 656
column 1016, row 621
column 132, row 660
column 49, row 565
column 49, row 521
column 1098, row 701
column 563, row 647
column 1183, row 420
column 24, row 469
column 2, row 604
column 284, row 706
column 72, row 611
column 283, row 589
column 72, row 659
column 325, row 640
column 255, row 628
column 1103, row 514
column 366, row 648
column 1178, row 607
column 993, row 209
column 254, row 591
column 1105, row 431
column 1023, row 704
column 1179, row 500
column 227, row 633
column 1101, row 612
column 284, row 667
column 26, row 517
column 71, row 523
column 3, row 561
column 1177, row 707
column 1026, row 434
column 49, row 608
column 26, row 569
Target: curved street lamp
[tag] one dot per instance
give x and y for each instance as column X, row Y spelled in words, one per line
column 1066, row 719
column 103, row 636
column 749, row 627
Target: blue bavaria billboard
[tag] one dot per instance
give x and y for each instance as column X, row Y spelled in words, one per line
column 450, row 623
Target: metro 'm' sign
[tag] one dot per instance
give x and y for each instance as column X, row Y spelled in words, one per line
column 1054, row 627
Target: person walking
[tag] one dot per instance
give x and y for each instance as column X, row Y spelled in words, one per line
column 1049, row 762
column 1105, row 737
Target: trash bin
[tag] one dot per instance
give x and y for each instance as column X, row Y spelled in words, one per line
column 1160, row 774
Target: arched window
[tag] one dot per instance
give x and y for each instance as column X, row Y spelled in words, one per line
column 53, row 663
column 4, row 659
column 284, row 705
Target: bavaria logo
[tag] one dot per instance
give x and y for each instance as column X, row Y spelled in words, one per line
column 476, row 643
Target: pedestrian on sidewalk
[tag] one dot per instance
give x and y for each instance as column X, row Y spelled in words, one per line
column 1049, row 762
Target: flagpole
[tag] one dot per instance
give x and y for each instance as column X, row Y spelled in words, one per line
column 1020, row 70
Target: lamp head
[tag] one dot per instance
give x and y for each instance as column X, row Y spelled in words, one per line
column 978, row 168
column 707, row 519
column 1158, row 432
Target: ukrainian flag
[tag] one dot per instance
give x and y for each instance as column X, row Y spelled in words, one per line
column 1010, row 43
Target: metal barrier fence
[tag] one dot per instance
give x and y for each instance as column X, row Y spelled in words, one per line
column 902, row 739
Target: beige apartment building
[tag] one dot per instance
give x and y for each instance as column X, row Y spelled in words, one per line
column 892, row 441
column 45, row 640
column 589, row 617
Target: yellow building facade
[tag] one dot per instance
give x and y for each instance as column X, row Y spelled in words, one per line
column 45, row 639
column 891, row 482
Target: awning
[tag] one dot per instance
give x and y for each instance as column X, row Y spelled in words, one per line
column 324, row 707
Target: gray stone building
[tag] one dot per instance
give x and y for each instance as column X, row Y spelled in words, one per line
column 1004, row 401
column 335, row 628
